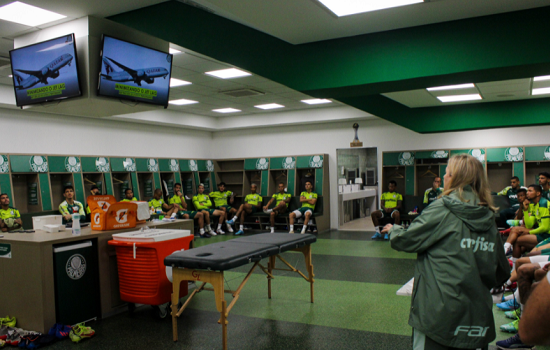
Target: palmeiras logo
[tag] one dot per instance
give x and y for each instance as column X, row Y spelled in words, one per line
column 406, row 158
column 173, row 164
column 513, row 154
column 152, row 164
column 72, row 164
column 102, row 164
column 129, row 164
column 477, row 153
column 122, row 216
column 547, row 153
column 103, row 205
column 76, row 267
column 316, row 162
column 209, row 165
column 4, row 165
column 440, row 154
column 39, row 164
column 289, row 163
column 262, row 164
column 193, row 166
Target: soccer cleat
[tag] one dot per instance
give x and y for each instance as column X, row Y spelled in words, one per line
column 229, row 229
column 497, row 290
column 511, row 327
column 508, row 251
column 212, row 233
column 4, row 332
column 376, row 235
column 14, row 336
column 206, row 235
column 80, row 332
column 60, row 331
column 220, row 231
column 8, row 321
column 230, row 222
column 33, row 341
column 240, row 232
column 386, row 237
column 514, row 315
column 513, row 343
column 291, row 231
column 509, row 305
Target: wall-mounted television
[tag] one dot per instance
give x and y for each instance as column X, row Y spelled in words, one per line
column 134, row 72
column 45, row 71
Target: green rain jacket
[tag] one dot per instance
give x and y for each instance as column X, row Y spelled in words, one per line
column 460, row 257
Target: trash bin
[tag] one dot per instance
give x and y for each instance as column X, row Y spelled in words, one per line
column 143, row 277
column 76, row 282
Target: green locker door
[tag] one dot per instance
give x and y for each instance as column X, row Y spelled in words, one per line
column 518, row 171
column 409, row 181
column 318, row 182
column 291, row 184
column 135, row 185
column 79, row 188
column 197, row 181
column 158, row 183
column 45, row 192
column 5, row 185
column 177, row 177
column 264, row 183
column 109, row 184
column 214, row 186
column 442, row 170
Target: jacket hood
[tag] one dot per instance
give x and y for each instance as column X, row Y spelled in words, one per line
column 477, row 218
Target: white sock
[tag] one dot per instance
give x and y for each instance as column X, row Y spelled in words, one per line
column 241, row 227
column 514, row 263
column 173, row 215
column 201, row 231
column 268, row 211
column 506, row 246
column 234, row 218
column 304, row 229
column 272, row 229
column 291, row 227
column 508, row 283
column 377, row 229
column 208, row 228
column 516, row 295
column 219, row 226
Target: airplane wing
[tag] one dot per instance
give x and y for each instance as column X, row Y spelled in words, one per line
column 36, row 73
column 130, row 71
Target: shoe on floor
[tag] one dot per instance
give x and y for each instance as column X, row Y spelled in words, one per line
column 240, row 232
column 212, row 233
column 2, row 343
column 497, row 290
column 292, row 231
column 80, row 332
column 220, row 231
column 376, row 235
column 205, row 235
column 229, row 228
column 511, row 327
column 386, row 237
column 230, row 222
column 513, row 343
column 8, row 321
column 14, row 336
column 4, row 332
column 515, row 314
column 60, row 331
column 509, row 305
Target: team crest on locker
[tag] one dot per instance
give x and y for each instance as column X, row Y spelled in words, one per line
column 122, row 216
column 39, row 164
column 129, row 164
column 316, row 162
column 209, row 165
column 440, row 154
column 477, row 153
column 289, row 163
column 262, row 164
column 102, row 164
column 513, row 154
column 72, row 164
column 193, row 166
column 76, row 267
column 4, row 164
column 547, row 153
column 152, row 165
column 406, row 158
column 174, row 166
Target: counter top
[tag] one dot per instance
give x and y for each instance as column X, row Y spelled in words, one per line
column 359, row 194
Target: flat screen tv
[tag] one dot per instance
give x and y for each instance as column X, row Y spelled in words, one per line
column 46, row 71
column 134, row 72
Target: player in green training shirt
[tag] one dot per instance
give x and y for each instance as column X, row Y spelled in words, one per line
column 252, row 203
column 308, row 198
column 179, row 199
column 203, row 203
column 94, row 191
column 281, row 206
column 433, row 193
column 10, row 219
column 544, row 182
column 160, row 207
column 221, row 197
column 390, row 202
column 70, row 206
column 512, row 193
column 129, row 196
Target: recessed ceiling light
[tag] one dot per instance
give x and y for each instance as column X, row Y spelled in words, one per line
column 228, row 73
column 226, row 110
column 452, row 87
column 541, row 91
column 269, row 106
column 457, row 98
column 351, row 7
column 173, row 51
column 28, row 15
column 177, row 82
column 316, row 101
column 541, row 78
column 182, row 101
column 10, row 76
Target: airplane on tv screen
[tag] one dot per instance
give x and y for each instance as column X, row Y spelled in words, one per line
column 51, row 70
column 127, row 74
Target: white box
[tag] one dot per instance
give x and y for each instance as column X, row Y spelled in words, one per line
column 38, row 222
column 53, row 228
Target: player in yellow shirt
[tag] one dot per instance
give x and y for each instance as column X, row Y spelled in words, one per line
column 10, row 219
column 129, row 196
column 253, row 203
column 70, row 206
column 390, row 202
column 160, row 207
column 203, row 204
column 221, row 197
column 281, row 205
column 179, row 199
column 308, row 198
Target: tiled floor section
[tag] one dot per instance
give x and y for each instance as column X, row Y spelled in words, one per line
column 355, row 306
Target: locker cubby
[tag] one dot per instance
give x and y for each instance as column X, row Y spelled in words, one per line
column 303, row 175
column 425, row 176
column 146, row 186
column 188, row 184
column 499, row 175
column 121, row 181
column 21, row 192
column 170, row 181
column 91, row 179
column 532, row 171
column 57, row 183
column 396, row 173
column 275, row 177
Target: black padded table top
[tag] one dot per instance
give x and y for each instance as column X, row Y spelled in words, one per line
column 237, row 252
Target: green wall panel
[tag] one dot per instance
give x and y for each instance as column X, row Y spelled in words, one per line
column 318, row 182
column 442, row 170
column 168, row 165
column 538, row 153
column 437, row 154
column 291, row 182
column 79, row 188
column 256, row 164
column 123, row 164
column 188, row 165
column 305, row 162
column 147, row 164
column 109, row 183
column 391, row 158
column 282, row 163
column 158, row 183
column 95, row 164
column 505, row 154
column 519, row 172
column 409, row 181
column 5, row 185
column 264, row 183
column 68, row 164
column 205, row 165
column 28, row 164
column 45, row 192
column 213, row 182
column 177, row 177
column 135, row 185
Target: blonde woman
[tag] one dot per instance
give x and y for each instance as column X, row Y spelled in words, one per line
column 460, row 258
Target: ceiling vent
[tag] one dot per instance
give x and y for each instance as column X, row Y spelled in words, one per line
column 242, row 93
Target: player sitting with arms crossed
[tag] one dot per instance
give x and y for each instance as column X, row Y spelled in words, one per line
column 281, row 206
column 179, row 199
column 160, row 207
column 512, row 193
column 390, row 203
column 129, row 196
column 308, row 198
column 252, row 203
column 220, row 198
column 202, row 203
column 70, row 206
column 10, row 219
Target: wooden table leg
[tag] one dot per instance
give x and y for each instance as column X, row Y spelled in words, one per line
column 224, row 324
column 309, row 265
column 175, row 302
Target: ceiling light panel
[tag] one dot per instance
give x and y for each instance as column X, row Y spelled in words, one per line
column 229, row 73
column 226, row 110
column 316, row 101
column 542, row 78
column 351, row 7
column 178, row 82
column 269, row 106
column 173, row 51
column 459, row 98
column 28, row 15
column 452, row 87
column 182, row 101
column 540, row 91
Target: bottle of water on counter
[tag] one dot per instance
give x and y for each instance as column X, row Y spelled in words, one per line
column 76, row 225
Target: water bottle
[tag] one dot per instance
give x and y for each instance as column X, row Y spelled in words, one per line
column 76, row 225
column 514, row 223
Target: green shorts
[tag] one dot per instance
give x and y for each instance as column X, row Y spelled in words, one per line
column 545, row 242
column 190, row 213
column 254, row 209
column 210, row 211
column 542, row 237
column 227, row 207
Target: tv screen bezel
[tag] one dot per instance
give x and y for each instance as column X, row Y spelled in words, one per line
column 127, row 98
column 53, row 98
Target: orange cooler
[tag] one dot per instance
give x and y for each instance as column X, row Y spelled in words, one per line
column 143, row 277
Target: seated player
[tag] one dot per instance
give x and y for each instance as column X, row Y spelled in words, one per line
column 281, row 206
column 10, row 219
column 70, row 206
column 512, row 193
column 308, row 198
column 533, row 328
column 390, row 202
column 544, row 182
column 518, row 219
column 129, row 196
column 252, row 203
column 94, row 191
column 203, row 203
column 220, row 198
column 433, row 193
column 160, row 207
column 179, row 199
